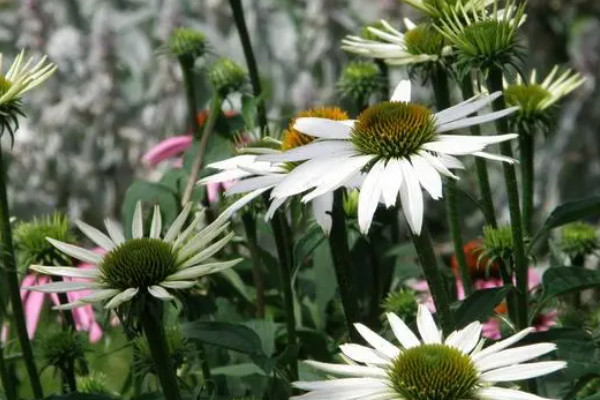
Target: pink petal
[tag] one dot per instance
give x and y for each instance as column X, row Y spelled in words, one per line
column 33, row 308
column 491, row 329
column 166, row 149
column 212, row 190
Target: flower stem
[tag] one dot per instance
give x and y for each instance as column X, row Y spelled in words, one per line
column 434, row 278
column 342, row 262
column 283, row 242
column 442, row 98
column 7, row 383
column 487, row 203
column 383, row 71
column 240, row 23
column 249, row 222
column 514, row 208
column 200, row 146
column 151, row 321
column 187, row 69
column 527, row 179
column 9, row 264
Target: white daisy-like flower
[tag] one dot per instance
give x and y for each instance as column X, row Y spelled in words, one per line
column 419, row 43
column 153, row 264
column 23, row 76
column 458, row 367
column 257, row 177
column 393, row 148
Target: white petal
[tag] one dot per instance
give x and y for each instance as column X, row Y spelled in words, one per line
column 478, row 120
column 502, row 344
column 251, row 184
column 208, row 252
column 429, row 178
column 340, row 384
column 99, row 295
column 69, row 306
column 176, row 226
column 370, row 193
column 121, row 298
column 427, row 327
column 412, row 198
column 160, row 293
column 321, row 209
column 96, row 235
column 273, row 207
column 76, row 252
column 137, row 225
column 348, row 370
column 393, row 178
column 522, row 371
column 114, row 231
column 156, row 225
column 234, row 162
column 477, row 140
column 63, row 287
column 497, row 393
column 72, row 272
column 364, row 354
column 465, row 108
column 378, row 343
column 199, row 241
column 322, row 128
column 437, row 164
column 402, row 91
column 495, row 157
column 405, row 336
column 203, row 269
column 178, row 284
column 465, row 339
column 514, row 356
column 316, row 149
column 240, row 203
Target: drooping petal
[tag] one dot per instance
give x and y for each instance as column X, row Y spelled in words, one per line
column 160, row 293
column 64, row 287
column 76, row 252
column 316, row 149
column 393, row 178
column 250, row 184
column 121, row 298
column 321, row 208
column 178, row 284
column 370, row 193
column 429, row 178
column 72, row 272
column 412, row 198
column 402, row 91
column 166, row 149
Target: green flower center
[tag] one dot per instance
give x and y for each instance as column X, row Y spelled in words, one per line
column 529, row 98
column 423, row 39
column 488, row 38
column 433, row 372
column 34, row 248
column 138, row 263
column 579, row 239
column 226, row 76
column 393, row 129
column 185, row 41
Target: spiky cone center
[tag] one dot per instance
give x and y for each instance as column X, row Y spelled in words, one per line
column 227, row 77
column 497, row 243
column 529, row 98
column 423, row 39
column 60, row 349
column 401, row 302
column 579, row 239
column 393, row 129
column 488, row 38
column 32, row 243
column 187, row 42
column 433, row 372
column 138, row 263
column 360, row 79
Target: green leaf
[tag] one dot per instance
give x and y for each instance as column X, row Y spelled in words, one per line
column 479, row 306
column 562, row 280
column 307, row 244
column 149, row 193
column 238, row 370
column 566, row 213
column 223, row 334
column 236, row 281
column 266, row 331
column 80, row 396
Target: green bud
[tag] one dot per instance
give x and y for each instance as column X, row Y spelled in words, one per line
column 578, row 239
column 186, row 42
column 96, row 383
column 351, row 203
column 401, row 302
column 61, row 349
column 497, row 243
column 227, row 77
column 360, row 80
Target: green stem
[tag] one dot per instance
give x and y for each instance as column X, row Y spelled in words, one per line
column 283, row 243
column 442, row 97
column 514, row 208
column 187, row 69
column 505, row 266
column 383, row 71
column 527, row 179
column 240, row 23
column 249, row 222
column 487, row 202
column 151, row 321
column 69, row 380
column 200, row 145
column 435, row 280
column 7, row 383
column 9, row 264
column 342, row 262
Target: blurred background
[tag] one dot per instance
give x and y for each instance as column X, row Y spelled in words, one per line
column 117, row 93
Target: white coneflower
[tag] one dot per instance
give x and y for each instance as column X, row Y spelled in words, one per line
column 257, row 177
column 393, row 147
column 23, row 76
column 430, row 368
column 419, row 43
column 154, row 264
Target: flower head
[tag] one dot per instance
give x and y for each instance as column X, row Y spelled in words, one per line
column 226, row 76
column 257, row 177
column 431, row 368
column 187, row 43
column 536, row 100
column 62, row 349
column 95, row 382
column 439, row 8
column 418, row 44
column 497, row 244
column 579, row 239
column 484, row 39
column 153, row 264
column 360, row 79
column 393, row 148
column 21, row 77
column 402, row 302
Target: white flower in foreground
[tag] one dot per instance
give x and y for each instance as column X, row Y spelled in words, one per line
column 154, row 264
column 393, row 148
column 23, row 76
column 431, row 368
column 420, row 43
column 257, row 177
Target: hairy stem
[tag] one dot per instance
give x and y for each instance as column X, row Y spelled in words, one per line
column 527, row 179
column 249, row 222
